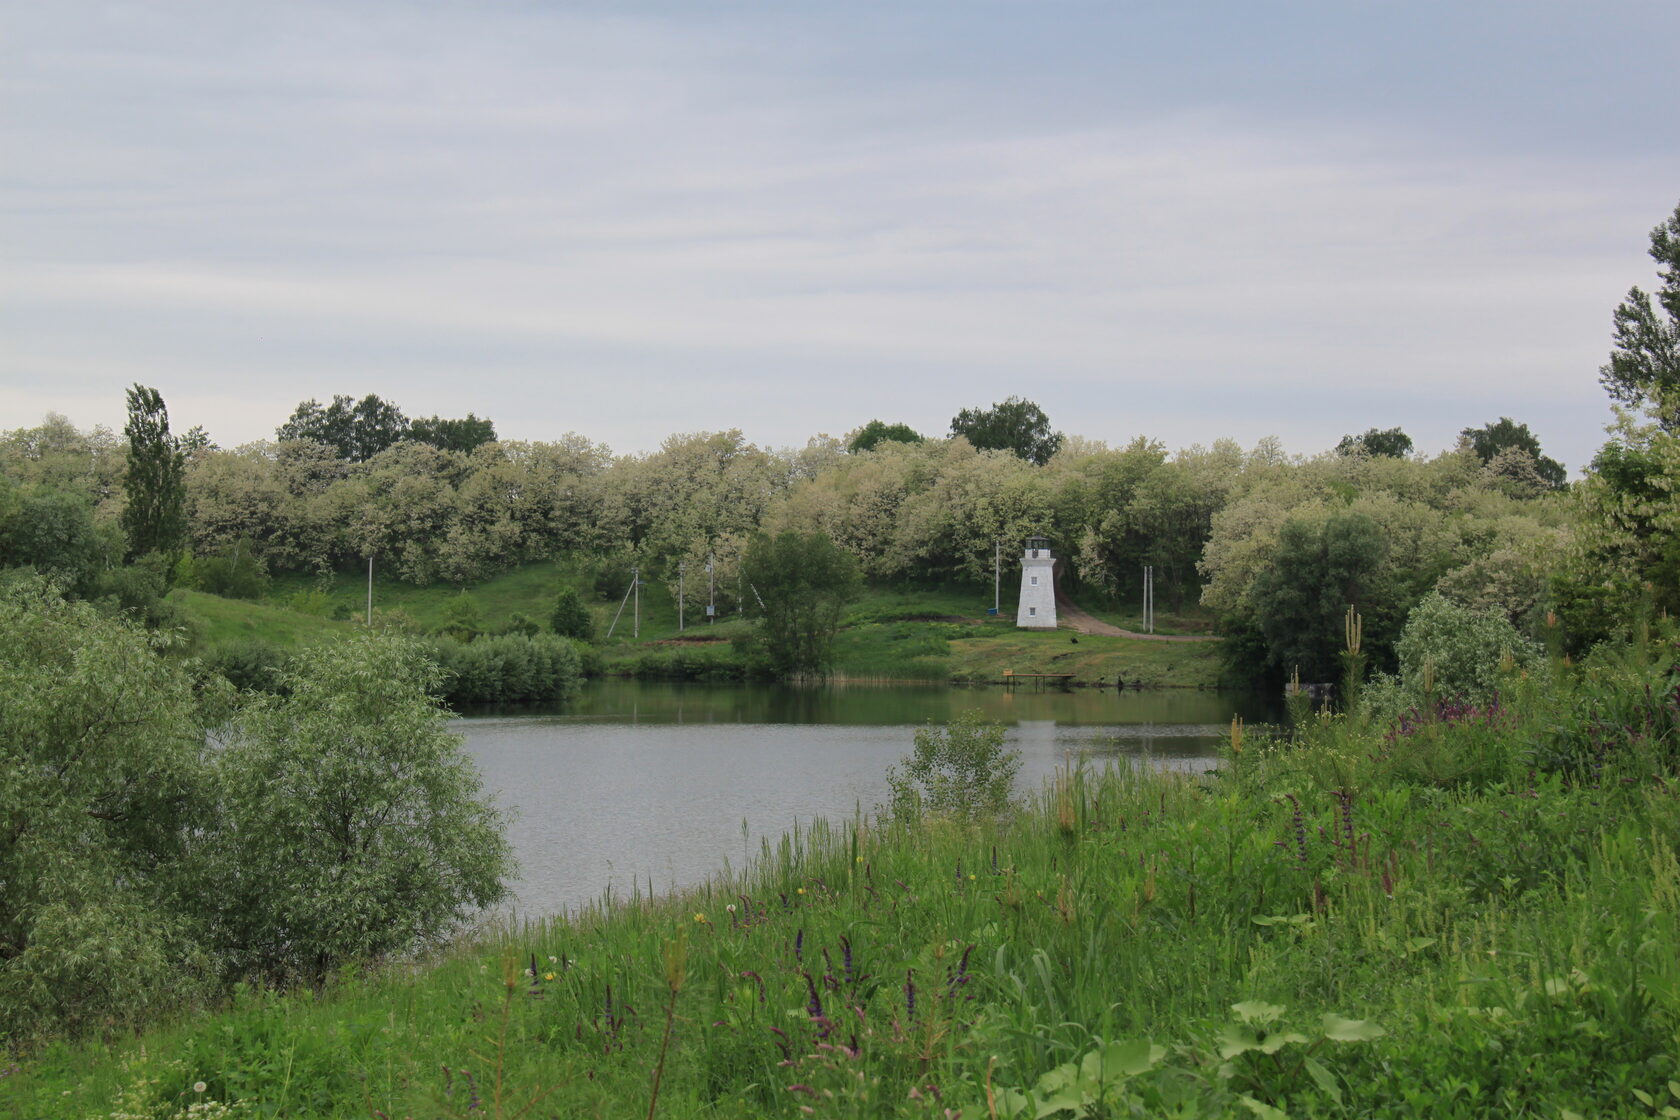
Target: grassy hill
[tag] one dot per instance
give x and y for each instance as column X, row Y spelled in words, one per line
column 937, row 634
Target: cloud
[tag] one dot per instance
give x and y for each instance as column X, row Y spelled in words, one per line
column 630, row 225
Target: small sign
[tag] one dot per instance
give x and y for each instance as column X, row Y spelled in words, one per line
column 710, row 610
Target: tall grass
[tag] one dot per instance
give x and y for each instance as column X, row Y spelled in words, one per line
column 1344, row 921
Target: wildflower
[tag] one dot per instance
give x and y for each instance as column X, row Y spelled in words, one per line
column 860, row 859
column 199, row 1086
column 553, row 960
column 701, row 918
column 971, row 878
column 548, row 976
column 801, row 890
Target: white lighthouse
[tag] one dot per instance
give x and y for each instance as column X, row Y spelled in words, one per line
column 1038, row 587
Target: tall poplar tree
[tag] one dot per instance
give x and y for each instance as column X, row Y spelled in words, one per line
column 155, row 517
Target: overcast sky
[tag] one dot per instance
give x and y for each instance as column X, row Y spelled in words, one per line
column 1187, row 220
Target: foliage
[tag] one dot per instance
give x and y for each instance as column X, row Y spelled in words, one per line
column 1644, row 367
column 875, row 433
column 961, row 769
column 234, row 573
column 355, row 430
column 508, row 669
column 463, row 621
column 99, row 778
column 349, row 824
column 1391, row 443
column 570, row 618
column 1312, row 931
column 464, row 435
column 1465, row 654
column 154, row 517
column 248, row 665
column 137, row 591
column 53, row 532
column 1627, row 559
column 1014, row 425
column 801, row 584
column 1320, row 570
column 1491, row 439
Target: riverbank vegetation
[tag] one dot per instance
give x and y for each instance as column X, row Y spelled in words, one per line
column 1472, row 909
column 1456, row 893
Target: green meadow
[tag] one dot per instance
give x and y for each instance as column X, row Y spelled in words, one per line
column 920, row 634
column 1473, row 911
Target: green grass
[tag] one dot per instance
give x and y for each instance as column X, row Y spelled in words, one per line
column 1330, row 927
column 920, row 634
column 217, row 621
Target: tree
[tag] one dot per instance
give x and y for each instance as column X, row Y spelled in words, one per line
column 351, row 823
column 461, row 435
column 155, row 517
column 53, row 533
column 875, row 433
column 570, row 618
column 1644, row 367
column 1489, row 440
column 1390, row 442
column 1319, row 570
column 1012, row 425
column 803, row 582
column 356, row 430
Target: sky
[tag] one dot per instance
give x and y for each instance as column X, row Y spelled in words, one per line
column 1186, row 220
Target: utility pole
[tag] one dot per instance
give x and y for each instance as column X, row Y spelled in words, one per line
column 711, row 588
column 370, row 593
column 1149, row 598
column 997, row 576
column 636, row 586
column 680, row 566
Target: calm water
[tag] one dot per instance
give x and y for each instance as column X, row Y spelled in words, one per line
column 636, row 781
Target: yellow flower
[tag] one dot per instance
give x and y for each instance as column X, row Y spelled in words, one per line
column 801, row 890
column 971, row 878
column 700, row 918
column 548, row 976
column 860, row 859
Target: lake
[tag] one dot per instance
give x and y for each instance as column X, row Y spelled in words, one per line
column 639, row 782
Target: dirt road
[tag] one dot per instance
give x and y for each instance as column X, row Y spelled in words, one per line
column 1069, row 614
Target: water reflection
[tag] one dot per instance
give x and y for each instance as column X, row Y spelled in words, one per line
column 664, row 782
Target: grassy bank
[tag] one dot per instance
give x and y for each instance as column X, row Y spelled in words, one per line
column 925, row 634
column 1477, row 913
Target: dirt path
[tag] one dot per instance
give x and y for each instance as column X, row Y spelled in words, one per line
column 1069, row 614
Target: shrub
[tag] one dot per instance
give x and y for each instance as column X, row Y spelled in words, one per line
column 1463, row 647
column 349, row 823
column 960, row 769
column 508, row 669
column 250, row 665
column 570, row 618
column 235, row 572
column 99, row 777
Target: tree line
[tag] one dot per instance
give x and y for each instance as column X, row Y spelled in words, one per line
column 1274, row 546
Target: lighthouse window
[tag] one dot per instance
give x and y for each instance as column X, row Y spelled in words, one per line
column 1032, row 610
column 1035, row 581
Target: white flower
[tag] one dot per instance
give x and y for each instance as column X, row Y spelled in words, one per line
column 199, row 1086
